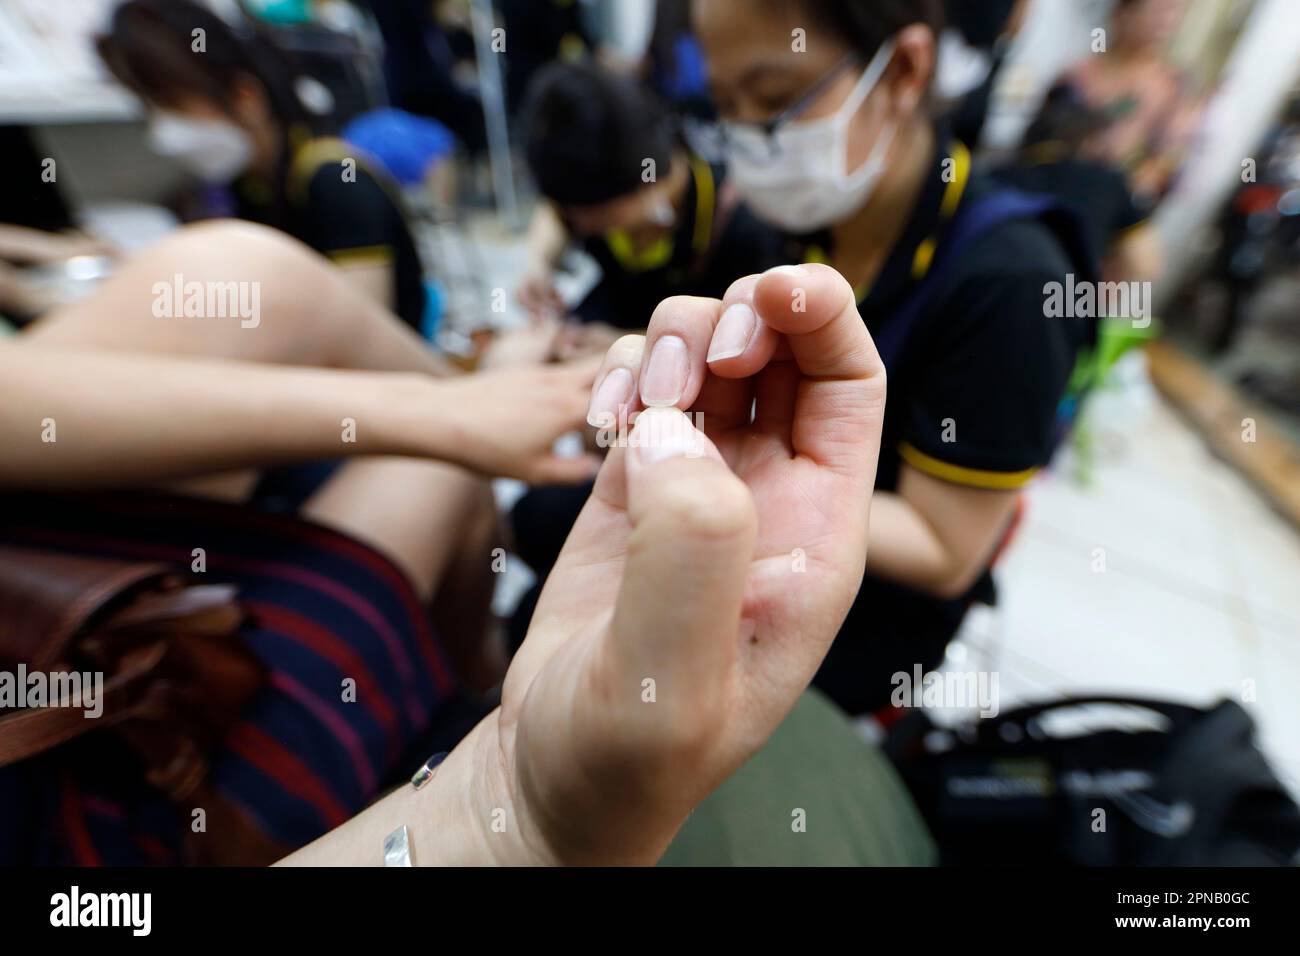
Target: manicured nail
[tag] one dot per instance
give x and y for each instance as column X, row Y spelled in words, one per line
column 734, row 332
column 615, row 390
column 664, row 378
column 663, row 433
column 798, row 272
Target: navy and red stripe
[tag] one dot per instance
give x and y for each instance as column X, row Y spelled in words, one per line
column 324, row 608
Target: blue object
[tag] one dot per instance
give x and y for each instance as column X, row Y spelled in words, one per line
column 283, row 11
column 433, row 309
column 689, row 77
column 406, row 145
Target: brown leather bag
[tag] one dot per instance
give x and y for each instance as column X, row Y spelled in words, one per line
column 176, row 674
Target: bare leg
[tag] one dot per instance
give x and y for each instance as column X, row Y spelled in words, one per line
column 439, row 525
column 436, row 522
column 308, row 313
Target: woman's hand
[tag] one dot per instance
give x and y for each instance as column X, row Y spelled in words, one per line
column 704, row 580
column 691, row 605
column 538, row 296
column 536, row 343
column 505, row 422
column 581, row 339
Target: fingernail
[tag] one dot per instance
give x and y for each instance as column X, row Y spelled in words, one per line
column 663, row 433
column 799, row 272
column 664, row 378
column 614, row 391
column 733, row 334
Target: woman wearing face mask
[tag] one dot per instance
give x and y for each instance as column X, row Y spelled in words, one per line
column 825, row 104
column 231, row 114
column 658, row 219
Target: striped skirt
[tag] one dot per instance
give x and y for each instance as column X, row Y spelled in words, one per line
column 324, row 609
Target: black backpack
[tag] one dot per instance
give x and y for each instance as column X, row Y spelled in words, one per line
column 1197, row 792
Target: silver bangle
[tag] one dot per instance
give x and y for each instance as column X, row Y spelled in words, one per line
column 397, row 848
column 422, row 776
column 397, row 845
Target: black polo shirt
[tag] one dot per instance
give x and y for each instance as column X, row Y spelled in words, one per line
column 715, row 241
column 357, row 219
column 1098, row 193
column 973, row 399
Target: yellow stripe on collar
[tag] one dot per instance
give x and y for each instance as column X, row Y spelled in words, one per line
column 361, row 255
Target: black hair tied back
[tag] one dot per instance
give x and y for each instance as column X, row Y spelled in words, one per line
column 149, row 48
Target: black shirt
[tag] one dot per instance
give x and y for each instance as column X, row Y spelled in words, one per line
column 1099, row 194
column 973, row 398
column 714, row 242
column 36, row 200
column 350, row 215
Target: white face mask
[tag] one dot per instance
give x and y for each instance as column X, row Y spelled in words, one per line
column 661, row 214
column 797, row 178
column 215, row 150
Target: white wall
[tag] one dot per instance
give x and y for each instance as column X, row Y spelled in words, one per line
column 1263, row 68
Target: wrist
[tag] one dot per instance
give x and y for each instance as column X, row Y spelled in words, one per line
column 409, row 415
column 471, row 813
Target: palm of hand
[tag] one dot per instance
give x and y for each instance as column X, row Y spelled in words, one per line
column 573, row 727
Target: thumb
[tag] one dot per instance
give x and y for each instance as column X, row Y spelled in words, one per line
column 688, row 556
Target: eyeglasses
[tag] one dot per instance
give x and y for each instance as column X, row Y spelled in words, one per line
column 761, row 144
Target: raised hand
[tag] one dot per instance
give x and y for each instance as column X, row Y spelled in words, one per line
column 707, row 576
column 694, row 599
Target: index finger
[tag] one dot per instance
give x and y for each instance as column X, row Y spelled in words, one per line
column 840, row 400
column 816, row 309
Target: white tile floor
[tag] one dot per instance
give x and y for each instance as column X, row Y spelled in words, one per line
column 1200, row 594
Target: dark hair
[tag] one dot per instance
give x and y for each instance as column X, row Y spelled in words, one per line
column 865, row 25
column 588, row 132
column 980, row 22
column 1064, row 118
column 149, row 49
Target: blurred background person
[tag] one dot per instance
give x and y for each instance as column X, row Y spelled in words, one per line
column 424, row 45
column 836, row 147
column 1149, row 104
column 233, row 115
column 674, row 62
column 972, row 52
column 538, row 33
column 1061, row 155
column 618, row 181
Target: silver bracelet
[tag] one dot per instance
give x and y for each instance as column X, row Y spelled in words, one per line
column 397, row 845
column 397, row 848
